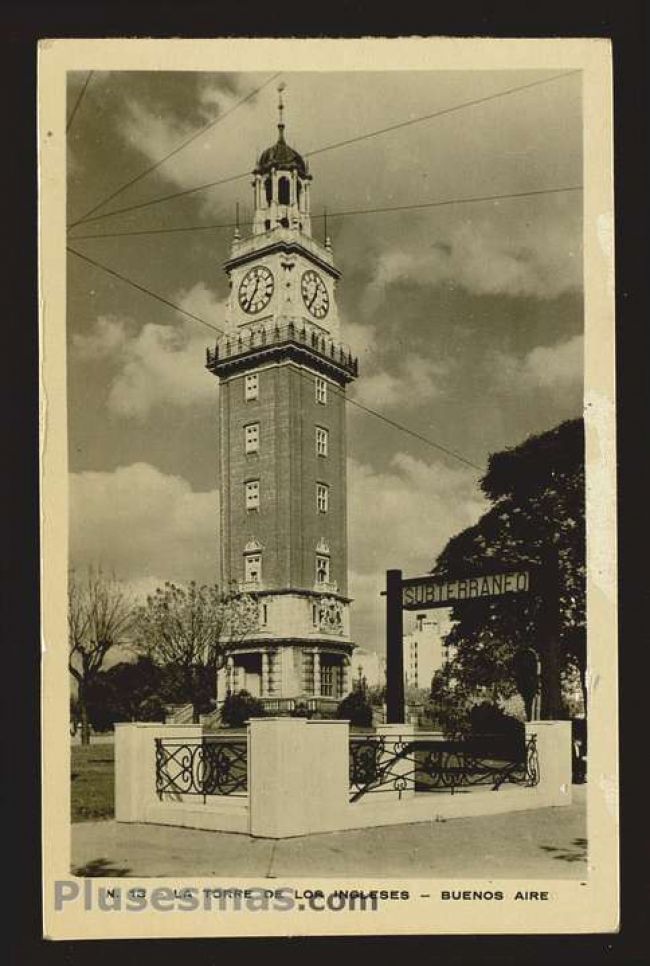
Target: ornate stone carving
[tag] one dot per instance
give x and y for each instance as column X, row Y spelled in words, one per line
column 330, row 614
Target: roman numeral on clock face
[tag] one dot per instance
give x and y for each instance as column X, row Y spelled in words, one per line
column 256, row 289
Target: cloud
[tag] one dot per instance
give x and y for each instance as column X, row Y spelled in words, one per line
column 416, row 381
column 556, row 368
column 160, row 365
column 401, row 517
column 490, row 257
column 144, row 525
column 106, row 337
column 216, row 152
column 155, row 134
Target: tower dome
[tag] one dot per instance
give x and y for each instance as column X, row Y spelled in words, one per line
column 281, row 156
column 281, row 186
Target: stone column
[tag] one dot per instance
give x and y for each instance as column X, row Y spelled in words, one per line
column 230, row 684
column 265, row 673
column 345, row 676
column 316, row 672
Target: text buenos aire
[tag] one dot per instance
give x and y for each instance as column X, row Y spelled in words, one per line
column 436, row 592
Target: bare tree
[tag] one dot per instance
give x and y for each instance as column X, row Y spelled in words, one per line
column 188, row 629
column 100, row 616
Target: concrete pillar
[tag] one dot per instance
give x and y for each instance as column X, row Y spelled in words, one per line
column 135, row 764
column 317, row 673
column 399, row 773
column 298, row 776
column 553, row 760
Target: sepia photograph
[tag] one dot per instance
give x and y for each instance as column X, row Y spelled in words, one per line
column 327, row 432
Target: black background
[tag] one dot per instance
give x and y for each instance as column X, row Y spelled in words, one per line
column 23, row 24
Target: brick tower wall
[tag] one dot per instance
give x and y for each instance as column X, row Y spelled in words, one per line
column 288, row 523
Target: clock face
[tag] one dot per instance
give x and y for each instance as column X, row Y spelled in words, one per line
column 256, row 289
column 314, row 294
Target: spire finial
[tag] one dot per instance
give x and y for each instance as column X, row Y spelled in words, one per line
column 281, row 87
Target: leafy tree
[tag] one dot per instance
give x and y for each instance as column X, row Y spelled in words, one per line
column 536, row 522
column 188, row 630
column 377, row 695
column 129, row 691
column 238, row 707
column 356, row 706
column 100, row 619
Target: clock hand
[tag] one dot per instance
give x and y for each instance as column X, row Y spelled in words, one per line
column 252, row 297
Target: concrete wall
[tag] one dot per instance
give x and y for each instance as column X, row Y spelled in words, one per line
column 298, row 782
column 135, row 765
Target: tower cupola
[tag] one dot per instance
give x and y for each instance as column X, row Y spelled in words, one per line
column 281, row 185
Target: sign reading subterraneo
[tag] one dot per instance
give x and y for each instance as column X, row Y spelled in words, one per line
column 422, row 593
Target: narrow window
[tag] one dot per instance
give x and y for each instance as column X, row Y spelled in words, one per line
column 252, row 438
column 321, row 391
column 253, row 568
column 252, row 491
column 251, row 387
column 322, row 569
column 322, row 497
column 327, row 680
column 264, row 615
column 314, row 615
column 322, row 439
column 283, row 191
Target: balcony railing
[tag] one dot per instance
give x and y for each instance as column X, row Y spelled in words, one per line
column 231, row 347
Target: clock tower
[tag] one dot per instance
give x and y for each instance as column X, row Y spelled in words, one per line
column 283, row 373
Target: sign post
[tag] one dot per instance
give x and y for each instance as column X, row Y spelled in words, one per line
column 426, row 593
column 394, row 648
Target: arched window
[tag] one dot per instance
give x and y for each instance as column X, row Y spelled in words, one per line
column 283, row 191
column 268, row 188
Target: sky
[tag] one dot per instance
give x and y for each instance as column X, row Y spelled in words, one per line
column 467, row 318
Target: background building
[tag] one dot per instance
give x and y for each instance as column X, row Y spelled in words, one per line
column 368, row 665
column 424, row 648
column 283, row 374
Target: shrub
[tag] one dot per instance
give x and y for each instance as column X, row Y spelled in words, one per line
column 357, row 708
column 238, row 708
column 489, row 719
column 300, row 711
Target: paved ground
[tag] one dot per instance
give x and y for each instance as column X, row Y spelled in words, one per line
column 544, row 843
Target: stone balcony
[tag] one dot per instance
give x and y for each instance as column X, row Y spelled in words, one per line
column 237, row 352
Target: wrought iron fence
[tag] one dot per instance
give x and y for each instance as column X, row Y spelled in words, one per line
column 211, row 765
column 431, row 763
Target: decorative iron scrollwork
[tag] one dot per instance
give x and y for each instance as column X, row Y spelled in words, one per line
column 424, row 763
column 202, row 766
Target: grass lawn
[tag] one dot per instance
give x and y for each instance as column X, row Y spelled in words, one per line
column 92, row 782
